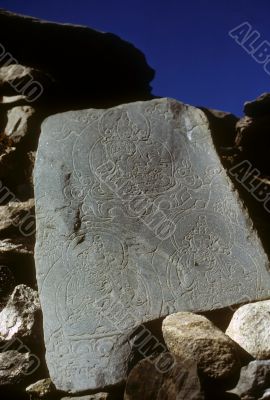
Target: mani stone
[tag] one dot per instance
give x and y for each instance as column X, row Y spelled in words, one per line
column 136, row 219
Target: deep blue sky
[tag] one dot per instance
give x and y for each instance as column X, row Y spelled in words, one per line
column 186, row 42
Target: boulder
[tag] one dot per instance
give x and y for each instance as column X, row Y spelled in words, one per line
column 136, row 219
column 148, row 380
column 194, row 338
column 249, row 328
column 84, row 64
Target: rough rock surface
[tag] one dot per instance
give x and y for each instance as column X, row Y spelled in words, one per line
column 254, row 380
column 149, row 380
column 14, row 367
column 193, row 337
column 17, row 220
column 136, row 219
column 249, row 328
column 18, row 318
column 41, row 389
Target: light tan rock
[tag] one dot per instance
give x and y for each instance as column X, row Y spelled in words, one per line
column 193, row 337
column 41, row 389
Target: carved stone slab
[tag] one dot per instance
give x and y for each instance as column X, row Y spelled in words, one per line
column 136, row 219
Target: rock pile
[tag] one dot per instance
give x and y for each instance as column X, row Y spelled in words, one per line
column 124, row 297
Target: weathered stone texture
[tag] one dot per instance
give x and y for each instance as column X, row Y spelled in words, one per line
column 249, row 327
column 136, row 219
column 193, row 337
column 18, row 318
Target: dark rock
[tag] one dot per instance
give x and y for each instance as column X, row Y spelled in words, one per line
column 253, row 140
column 258, row 107
column 17, row 237
column 222, row 125
column 7, row 284
column 148, row 381
column 15, row 367
column 84, row 63
column 216, row 395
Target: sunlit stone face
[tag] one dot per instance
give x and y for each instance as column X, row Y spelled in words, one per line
column 136, row 219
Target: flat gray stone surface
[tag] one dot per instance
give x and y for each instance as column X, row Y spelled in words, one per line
column 136, row 219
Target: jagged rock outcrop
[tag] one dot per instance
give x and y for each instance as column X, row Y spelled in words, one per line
column 258, row 107
column 86, row 66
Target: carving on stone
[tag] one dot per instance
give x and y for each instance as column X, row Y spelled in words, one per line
column 136, row 218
